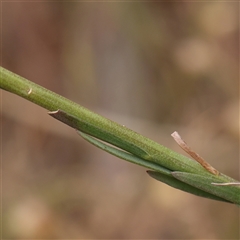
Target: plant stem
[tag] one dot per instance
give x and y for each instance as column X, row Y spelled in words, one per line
column 96, row 125
column 170, row 167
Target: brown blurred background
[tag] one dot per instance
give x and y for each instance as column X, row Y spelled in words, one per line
column 154, row 67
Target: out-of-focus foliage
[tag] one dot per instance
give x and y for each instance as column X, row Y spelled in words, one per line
column 155, row 67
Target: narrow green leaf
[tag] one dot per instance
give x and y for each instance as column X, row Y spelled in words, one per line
column 124, row 155
column 130, row 141
column 230, row 193
column 99, row 132
column 173, row 182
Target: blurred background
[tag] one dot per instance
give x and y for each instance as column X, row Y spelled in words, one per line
column 154, row 67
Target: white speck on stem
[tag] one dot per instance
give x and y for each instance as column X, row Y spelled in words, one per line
column 29, row 91
column 226, row 184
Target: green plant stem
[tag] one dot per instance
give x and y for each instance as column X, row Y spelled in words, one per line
column 180, row 171
column 97, row 126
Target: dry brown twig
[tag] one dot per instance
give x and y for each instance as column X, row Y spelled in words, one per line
column 199, row 159
column 193, row 154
